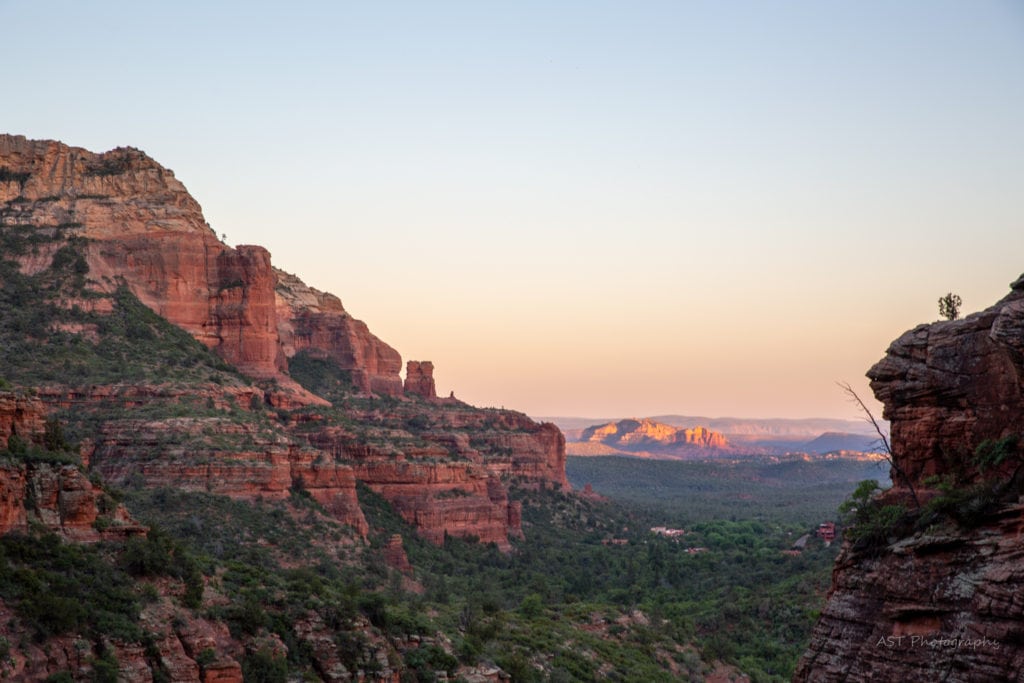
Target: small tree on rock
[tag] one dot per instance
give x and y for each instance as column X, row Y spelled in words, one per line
column 949, row 306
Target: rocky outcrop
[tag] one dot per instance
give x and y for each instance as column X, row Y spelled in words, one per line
column 62, row 499
column 394, row 554
column 939, row 600
column 144, row 230
column 949, row 386
column 439, row 499
column 316, row 322
column 177, row 641
column 646, row 434
column 45, row 491
column 939, row 606
column 419, row 379
column 702, row 438
column 222, row 456
column 535, row 455
column 21, row 416
column 444, row 468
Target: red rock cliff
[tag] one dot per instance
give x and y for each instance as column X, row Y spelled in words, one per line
column 314, row 321
column 938, row 601
column 145, row 230
column 419, row 379
column 948, row 386
column 20, row 415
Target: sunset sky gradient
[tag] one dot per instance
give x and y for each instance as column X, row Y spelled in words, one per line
column 589, row 208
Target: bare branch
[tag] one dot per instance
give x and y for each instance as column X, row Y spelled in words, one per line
column 848, row 390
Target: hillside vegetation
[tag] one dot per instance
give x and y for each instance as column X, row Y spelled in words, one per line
column 280, row 588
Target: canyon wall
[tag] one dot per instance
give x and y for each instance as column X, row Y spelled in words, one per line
column 137, row 226
column 939, row 598
column 144, row 230
column 948, row 386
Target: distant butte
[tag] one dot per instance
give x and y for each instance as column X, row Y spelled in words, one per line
column 648, row 435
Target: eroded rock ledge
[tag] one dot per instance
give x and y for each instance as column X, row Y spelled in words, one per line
column 942, row 602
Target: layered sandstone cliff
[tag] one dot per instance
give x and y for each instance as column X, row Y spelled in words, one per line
column 938, row 598
column 44, row 490
column 21, row 416
column 444, row 470
column 316, row 322
column 948, row 386
column 143, row 229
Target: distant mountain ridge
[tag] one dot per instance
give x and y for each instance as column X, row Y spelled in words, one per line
column 839, row 441
column 769, row 428
column 659, row 435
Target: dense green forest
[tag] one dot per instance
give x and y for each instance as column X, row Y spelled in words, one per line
column 568, row 603
column 791, row 489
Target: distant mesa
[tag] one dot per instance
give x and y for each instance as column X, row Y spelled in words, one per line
column 646, row 435
column 669, row 436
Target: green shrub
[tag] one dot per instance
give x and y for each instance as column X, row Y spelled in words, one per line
column 106, row 667
column 206, row 657
column 53, row 436
column 992, row 453
column 967, row 504
column 263, row 667
column 59, row 587
column 424, row 662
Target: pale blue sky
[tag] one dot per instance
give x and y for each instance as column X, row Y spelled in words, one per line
column 589, row 208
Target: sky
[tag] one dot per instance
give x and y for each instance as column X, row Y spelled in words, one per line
column 603, row 209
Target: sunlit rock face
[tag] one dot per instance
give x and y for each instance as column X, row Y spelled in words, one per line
column 316, row 322
column 633, row 434
column 419, row 379
column 939, row 602
column 145, row 231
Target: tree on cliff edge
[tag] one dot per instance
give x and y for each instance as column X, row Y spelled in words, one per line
column 949, row 306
